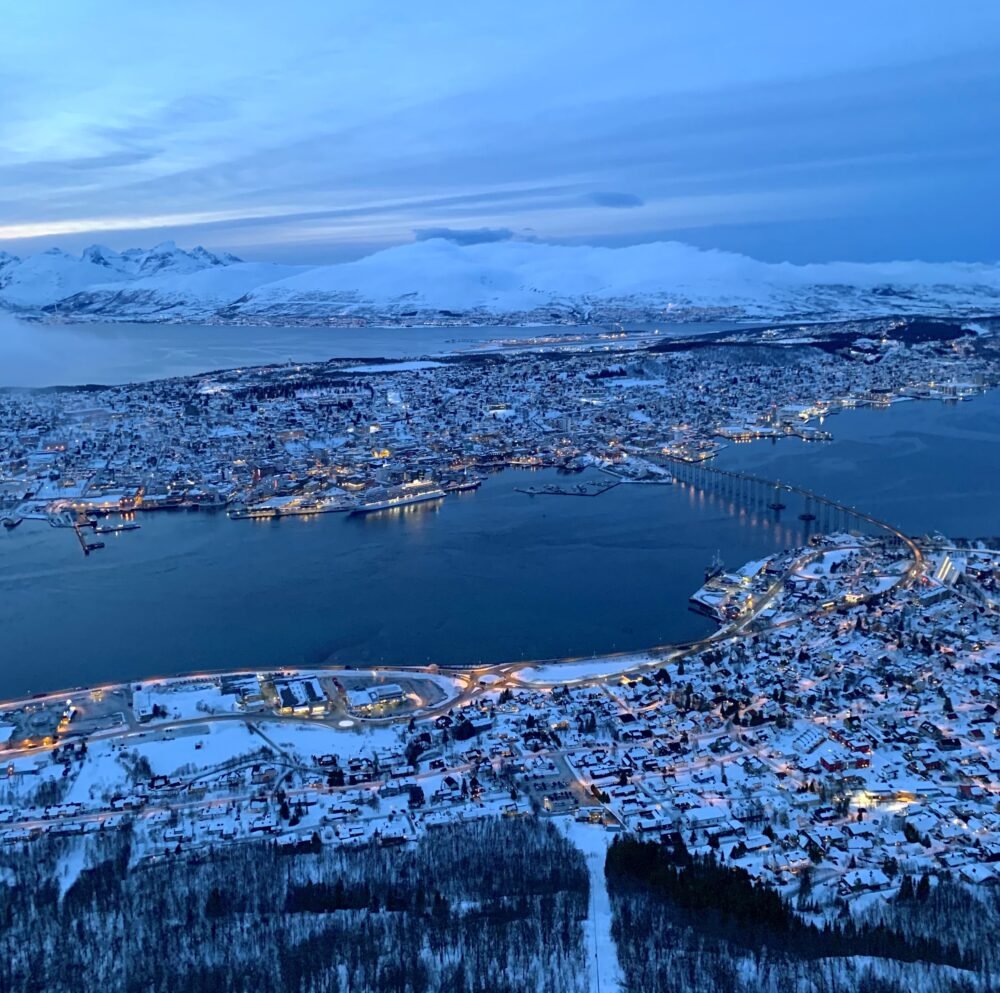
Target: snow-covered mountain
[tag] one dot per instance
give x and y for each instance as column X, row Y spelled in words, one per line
column 168, row 293
column 437, row 280
column 42, row 281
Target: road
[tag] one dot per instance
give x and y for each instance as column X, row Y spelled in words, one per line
column 505, row 675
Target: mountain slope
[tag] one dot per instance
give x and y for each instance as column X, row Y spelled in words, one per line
column 45, row 280
column 195, row 295
column 509, row 281
column 41, row 279
column 530, row 279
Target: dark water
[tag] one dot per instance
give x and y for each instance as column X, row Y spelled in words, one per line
column 44, row 355
column 921, row 465
column 491, row 575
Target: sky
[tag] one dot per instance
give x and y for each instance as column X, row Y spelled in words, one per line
column 321, row 131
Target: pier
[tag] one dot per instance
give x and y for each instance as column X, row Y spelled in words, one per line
column 85, row 545
column 588, row 489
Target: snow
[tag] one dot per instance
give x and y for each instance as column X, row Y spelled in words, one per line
column 306, row 740
column 568, row 671
column 184, row 702
column 167, row 751
column 593, row 840
column 43, row 279
column 162, row 278
column 173, row 749
column 514, row 279
column 71, row 864
column 207, row 289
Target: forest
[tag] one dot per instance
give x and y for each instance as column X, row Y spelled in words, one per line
column 685, row 924
column 494, row 906
column 491, row 907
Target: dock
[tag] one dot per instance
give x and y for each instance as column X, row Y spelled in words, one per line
column 589, row 489
column 85, row 545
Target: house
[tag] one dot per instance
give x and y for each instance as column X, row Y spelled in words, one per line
column 705, row 818
column 300, row 696
column 374, row 697
column 559, row 802
column 978, row 875
column 856, row 880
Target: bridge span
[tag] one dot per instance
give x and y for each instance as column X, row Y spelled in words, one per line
column 757, row 493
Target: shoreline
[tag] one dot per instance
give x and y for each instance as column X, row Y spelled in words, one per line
column 725, row 630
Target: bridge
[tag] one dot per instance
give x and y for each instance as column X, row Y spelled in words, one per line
column 752, row 492
column 766, row 495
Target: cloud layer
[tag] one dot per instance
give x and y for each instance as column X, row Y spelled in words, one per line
column 326, row 130
column 474, row 236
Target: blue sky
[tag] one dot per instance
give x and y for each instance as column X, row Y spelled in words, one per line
column 317, row 131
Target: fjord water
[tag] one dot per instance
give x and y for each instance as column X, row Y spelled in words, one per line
column 922, row 465
column 494, row 575
column 110, row 354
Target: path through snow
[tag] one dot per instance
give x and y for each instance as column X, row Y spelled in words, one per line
column 605, row 972
column 71, row 864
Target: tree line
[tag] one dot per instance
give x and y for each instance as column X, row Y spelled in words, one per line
column 491, row 907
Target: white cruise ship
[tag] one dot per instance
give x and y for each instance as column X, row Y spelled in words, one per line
column 387, row 498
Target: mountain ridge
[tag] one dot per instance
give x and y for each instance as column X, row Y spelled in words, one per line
column 506, row 282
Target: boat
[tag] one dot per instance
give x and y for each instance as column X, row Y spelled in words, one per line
column 714, row 568
column 115, row 528
column 462, row 485
column 12, row 522
column 254, row 513
column 382, row 498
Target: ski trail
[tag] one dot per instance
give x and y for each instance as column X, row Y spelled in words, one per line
column 606, row 974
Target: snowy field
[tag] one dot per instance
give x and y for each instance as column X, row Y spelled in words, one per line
column 568, row 672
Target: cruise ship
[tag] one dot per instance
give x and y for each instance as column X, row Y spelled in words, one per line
column 387, row 498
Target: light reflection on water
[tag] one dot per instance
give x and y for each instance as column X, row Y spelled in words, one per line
column 493, row 575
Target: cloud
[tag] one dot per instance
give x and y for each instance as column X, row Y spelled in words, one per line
column 349, row 128
column 85, row 225
column 612, row 199
column 470, row 236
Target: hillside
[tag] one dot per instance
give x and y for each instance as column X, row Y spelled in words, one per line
column 437, row 280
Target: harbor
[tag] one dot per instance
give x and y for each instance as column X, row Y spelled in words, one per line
column 570, row 577
column 556, row 578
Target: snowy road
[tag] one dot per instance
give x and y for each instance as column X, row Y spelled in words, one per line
column 605, row 972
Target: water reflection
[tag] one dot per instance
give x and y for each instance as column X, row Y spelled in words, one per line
column 485, row 576
column 495, row 575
